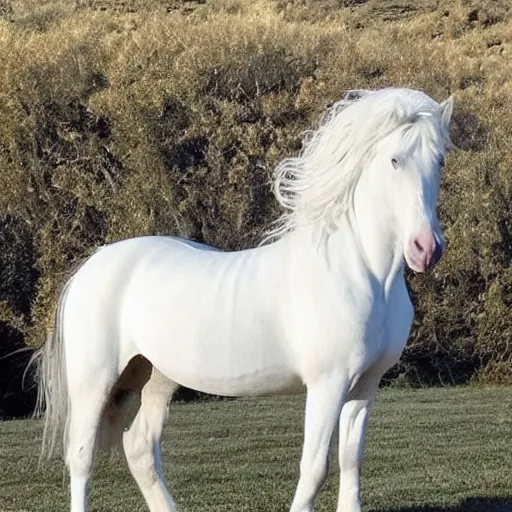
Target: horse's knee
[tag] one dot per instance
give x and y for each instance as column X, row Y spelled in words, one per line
column 315, row 470
column 79, row 455
column 139, row 448
column 137, row 439
column 82, row 434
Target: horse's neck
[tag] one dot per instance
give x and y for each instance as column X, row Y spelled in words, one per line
column 359, row 248
column 378, row 242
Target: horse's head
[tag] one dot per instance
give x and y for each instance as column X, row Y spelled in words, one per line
column 379, row 154
column 407, row 163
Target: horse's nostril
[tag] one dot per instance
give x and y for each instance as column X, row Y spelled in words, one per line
column 418, row 246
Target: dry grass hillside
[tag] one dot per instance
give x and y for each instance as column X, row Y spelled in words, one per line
column 129, row 117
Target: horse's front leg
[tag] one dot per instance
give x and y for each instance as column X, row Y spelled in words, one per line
column 352, row 431
column 324, row 400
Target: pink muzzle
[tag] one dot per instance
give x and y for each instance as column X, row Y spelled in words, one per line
column 424, row 250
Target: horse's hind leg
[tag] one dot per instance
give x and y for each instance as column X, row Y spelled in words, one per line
column 86, row 409
column 142, row 442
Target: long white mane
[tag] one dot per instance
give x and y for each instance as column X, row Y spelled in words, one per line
column 317, row 186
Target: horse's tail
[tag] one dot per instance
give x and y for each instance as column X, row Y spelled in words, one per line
column 52, row 393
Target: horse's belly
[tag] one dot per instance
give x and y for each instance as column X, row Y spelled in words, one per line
column 242, row 367
column 259, row 381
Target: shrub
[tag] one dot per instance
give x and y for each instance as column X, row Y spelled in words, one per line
column 128, row 118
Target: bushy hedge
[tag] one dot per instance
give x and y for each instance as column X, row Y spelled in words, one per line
column 121, row 119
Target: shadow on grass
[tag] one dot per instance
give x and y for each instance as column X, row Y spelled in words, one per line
column 468, row 505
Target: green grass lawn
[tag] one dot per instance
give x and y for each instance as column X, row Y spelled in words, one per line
column 428, row 450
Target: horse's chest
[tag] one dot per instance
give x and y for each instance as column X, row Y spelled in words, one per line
column 375, row 330
column 388, row 332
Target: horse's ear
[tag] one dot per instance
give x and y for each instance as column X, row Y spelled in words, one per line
column 445, row 112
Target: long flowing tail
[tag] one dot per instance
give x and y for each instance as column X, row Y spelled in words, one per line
column 52, row 393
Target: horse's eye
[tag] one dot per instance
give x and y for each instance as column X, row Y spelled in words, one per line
column 394, row 161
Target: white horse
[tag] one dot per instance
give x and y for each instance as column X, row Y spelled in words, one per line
column 322, row 307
